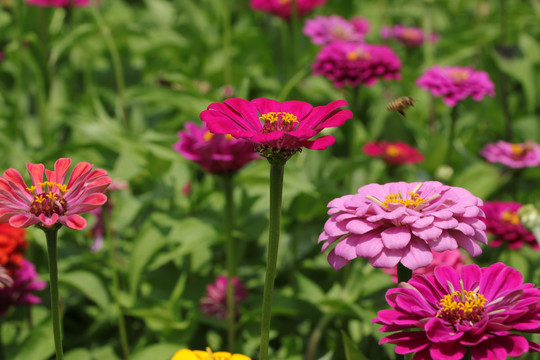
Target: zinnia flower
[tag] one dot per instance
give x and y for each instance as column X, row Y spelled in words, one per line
column 275, row 127
column 12, row 246
column 59, row 3
column 282, row 8
column 407, row 35
column 519, row 155
column 353, row 63
column 502, row 221
column 186, row 354
column 402, row 222
column 454, row 83
column 326, row 29
column 216, row 153
column 20, row 292
column 214, row 303
column 397, row 153
column 53, row 201
column 438, row 317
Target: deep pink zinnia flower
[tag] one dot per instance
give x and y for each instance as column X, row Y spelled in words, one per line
column 326, row 29
column 402, row 222
column 502, row 221
column 59, row 3
column 438, row 317
column 274, row 126
column 396, row 153
column 518, row 155
column 454, row 83
column 352, row 63
column 216, row 153
column 55, row 200
column 214, row 303
column 407, row 35
column 282, row 8
column 20, row 292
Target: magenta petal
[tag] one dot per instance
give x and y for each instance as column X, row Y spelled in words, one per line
column 75, row 222
column 23, row 220
column 320, row 143
column 447, row 351
column 438, row 330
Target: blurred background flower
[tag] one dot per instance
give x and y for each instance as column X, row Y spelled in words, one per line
column 514, row 155
column 407, row 35
column 214, row 302
column 282, row 8
column 393, row 153
column 326, row 29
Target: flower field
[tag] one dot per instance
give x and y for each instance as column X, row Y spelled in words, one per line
column 269, row 179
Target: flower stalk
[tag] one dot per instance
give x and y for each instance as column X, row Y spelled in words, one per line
column 52, row 236
column 231, row 258
column 451, row 135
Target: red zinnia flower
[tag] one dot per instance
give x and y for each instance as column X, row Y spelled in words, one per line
column 397, row 153
column 12, row 246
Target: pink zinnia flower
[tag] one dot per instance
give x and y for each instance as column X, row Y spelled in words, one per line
column 214, row 303
column 454, row 83
column 274, row 126
column 59, row 3
column 282, row 8
column 438, row 317
column 520, row 155
column 352, row 63
column 454, row 258
column 326, row 29
column 216, row 153
column 396, row 153
column 402, row 222
column 53, row 201
column 24, row 284
column 502, row 221
column 407, row 35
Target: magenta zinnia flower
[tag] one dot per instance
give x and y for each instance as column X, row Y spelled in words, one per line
column 503, row 223
column 353, row 63
column 274, row 126
column 55, row 200
column 216, row 153
column 59, row 3
column 438, row 317
column 407, row 35
column 396, row 153
column 24, row 284
column 326, row 29
column 282, row 8
column 402, row 222
column 214, row 303
column 454, row 83
column 519, row 155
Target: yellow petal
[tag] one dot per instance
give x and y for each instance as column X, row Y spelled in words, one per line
column 185, row 354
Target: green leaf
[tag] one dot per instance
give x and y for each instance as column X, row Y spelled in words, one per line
column 351, row 352
column 39, row 345
column 88, row 284
column 157, row 351
column 480, row 179
column 78, row 354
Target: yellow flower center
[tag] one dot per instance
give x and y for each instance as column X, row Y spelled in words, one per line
column 358, row 54
column 208, row 135
column 510, row 217
column 518, row 150
column 48, row 202
column 412, row 202
column 278, row 121
column 186, row 354
column 459, row 75
column 462, row 306
column 393, row 151
column 284, row 2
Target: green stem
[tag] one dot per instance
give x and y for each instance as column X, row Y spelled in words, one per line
column 503, row 79
column 2, row 355
column 231, row 258
column 52, row 235
column 468, row 354
column 316, row 337
column 404, row 274
column 227, row 73
column 450, row 146
column 276, row 191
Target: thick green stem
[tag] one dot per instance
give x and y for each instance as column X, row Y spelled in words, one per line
column 451, row 135
column 231, row 258
column 276, row 190
column 52, row 236
column 468, row 354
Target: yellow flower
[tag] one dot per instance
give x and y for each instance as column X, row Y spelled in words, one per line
column 186, row 354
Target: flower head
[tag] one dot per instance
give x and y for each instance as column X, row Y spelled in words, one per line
column 56, row 200
column 12, row 246
column 214, row 302
column 216, row 153
column 438, row 317
column 353, row 63
column 514, row 155
column 59, row 3
column 454, row 83
column 326, row 29
column 397, row 153
column 502, row 221
column 20, row 292
column 282, row 8
column 409, row 36
column 186, row 354
column 402, row 222
column 278, row 129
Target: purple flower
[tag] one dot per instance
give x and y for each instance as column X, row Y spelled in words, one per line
column 59, row 3
column 407, row 35
column 402, row 222
column 25, row 282
column 454, row 83
column 484, row 309
column 282, row 8
column 326, row 29
column 214, row 302
column 351, row 63
column 520, row 155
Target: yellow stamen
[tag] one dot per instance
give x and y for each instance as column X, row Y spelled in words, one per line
column 518, row 149
column 412, row 202
column 272, row 117
column 462, row 305
column 229, row 137
column 511, row 217
column 207, row 136
column 393, row 151
column 459, row 75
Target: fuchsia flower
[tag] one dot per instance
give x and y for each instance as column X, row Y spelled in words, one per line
column 59, row 3
column 352, row 63
column 402, row 222
column 20, row 291
column 407, row 35
column 454, row 83
column 274, row 126
column 520, row 155
column 397, row 153
column 282, row 8
column 53, row 201
column 502, row 221
column 215, row 153
column 214, row 303
column 438, row 317
column 326, row 29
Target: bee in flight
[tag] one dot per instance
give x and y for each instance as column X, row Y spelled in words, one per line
column 400, row 105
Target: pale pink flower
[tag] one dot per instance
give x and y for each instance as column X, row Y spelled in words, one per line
column 326, row 29
column 407, row 35
column 214, row 302
column 282, row 8
column 514, row 155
